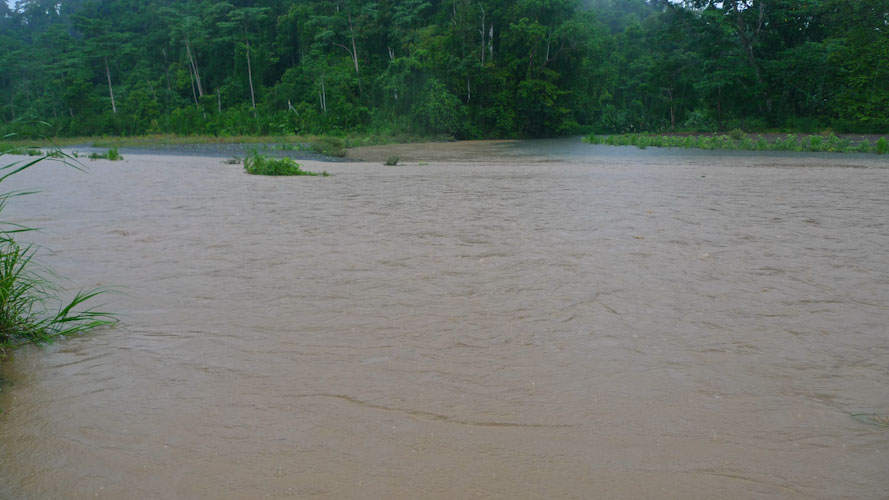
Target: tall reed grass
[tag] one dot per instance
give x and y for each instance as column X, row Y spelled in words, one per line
column 32, row 306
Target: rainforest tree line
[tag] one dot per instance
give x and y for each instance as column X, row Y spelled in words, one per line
column 463, row 68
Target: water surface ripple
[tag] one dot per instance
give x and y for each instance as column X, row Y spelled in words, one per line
column 533, row 323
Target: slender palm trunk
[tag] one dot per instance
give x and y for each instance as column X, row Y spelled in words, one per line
column 482, row 32
column 250, row 77
column 354, row 49
column 193, row 92
column 110, row 89
column 323, row 97
column 192, row 59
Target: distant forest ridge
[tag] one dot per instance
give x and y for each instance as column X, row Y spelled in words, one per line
column 461, row 68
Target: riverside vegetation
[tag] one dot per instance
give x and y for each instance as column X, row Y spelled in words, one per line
column 466, row 69
column 32, row 307
column 739, row 140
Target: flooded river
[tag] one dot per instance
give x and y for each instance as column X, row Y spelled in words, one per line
column 543, row 320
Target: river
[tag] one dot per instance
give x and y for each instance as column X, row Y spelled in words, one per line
column 493, row 320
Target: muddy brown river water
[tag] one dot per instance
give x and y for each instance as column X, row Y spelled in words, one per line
column 543, row 320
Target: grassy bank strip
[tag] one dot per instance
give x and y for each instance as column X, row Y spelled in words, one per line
column 329, row 145
column 741, row 141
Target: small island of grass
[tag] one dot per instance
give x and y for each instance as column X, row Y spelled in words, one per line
column 257, row 164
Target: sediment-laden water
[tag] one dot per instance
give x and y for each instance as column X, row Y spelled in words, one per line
column 531, row 320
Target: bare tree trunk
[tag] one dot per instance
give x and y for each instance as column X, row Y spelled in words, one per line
column 110, row 89
column 250, row 75
column 193, row 93
column 482, row 32
column 218, row 100
column 323, row 97
column 672, row 105
column 354, row 49
column 167, row 69
column 194, row 66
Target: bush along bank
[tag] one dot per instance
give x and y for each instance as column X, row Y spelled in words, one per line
column 737, row 140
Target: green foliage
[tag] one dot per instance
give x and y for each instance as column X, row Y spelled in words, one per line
column 391, row 161
column 257, row 164
column 736, row 134
column 31, row 306
column 790, row 142
column 492, row 68
column 816, row 143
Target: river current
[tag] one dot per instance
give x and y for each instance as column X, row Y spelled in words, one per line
column 537, row 320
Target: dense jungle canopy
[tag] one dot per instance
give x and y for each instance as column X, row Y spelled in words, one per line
column 463, row 68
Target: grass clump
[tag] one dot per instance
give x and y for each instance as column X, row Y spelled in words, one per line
column 882, row 146
column 816, row 143
column 112, row 154
column 736, row 134
column 391, row 161
column 31, row 305
column 257, row 164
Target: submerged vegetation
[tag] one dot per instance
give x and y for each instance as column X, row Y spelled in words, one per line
column 32, row 307
column 112, row 154
column 464, row 68
column 741, row 141
column 257, row 164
